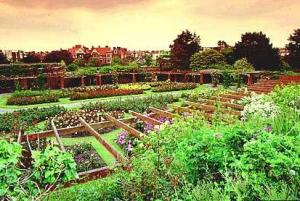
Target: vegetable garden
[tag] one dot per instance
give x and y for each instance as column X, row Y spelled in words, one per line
column 205, row 144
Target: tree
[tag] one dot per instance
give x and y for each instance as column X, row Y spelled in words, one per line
column 228, row 53
column 243, row 66
column 148, row 59
column 258, row 50
column 116, row 61
column 79, row 62
column 294, row 49
column 58, row 56
column 222, row 45
column 183, row 47
column 3, row 58
column 94, row 62
column 207, row 59
column 31, row 58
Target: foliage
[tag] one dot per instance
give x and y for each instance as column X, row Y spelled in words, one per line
column 53, row 166
column 79, row 62
column 174, row 86
column 294, row 49
column 32, row 100
column 31, row 58
column 183, row 47
column 103, row 93
column 134, row 104
column 227, row 79
column 205, row 59
column 3, row 58
column 94, row 62
column 116, row 61
column 258, row 50
column 50, row 167
column 10, row 154
column 58, row 56
column 27, row 117
column 41, row 81
column 73, row 67
column 258, row 106
column 228, row 53
column 243, row 66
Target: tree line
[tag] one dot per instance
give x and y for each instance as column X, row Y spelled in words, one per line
column 255, row 47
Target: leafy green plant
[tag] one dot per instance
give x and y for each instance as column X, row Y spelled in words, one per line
column 52, row 166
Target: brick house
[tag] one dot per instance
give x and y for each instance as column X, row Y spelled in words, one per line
column 104, row 54
column 79, row 52
column 119, row 52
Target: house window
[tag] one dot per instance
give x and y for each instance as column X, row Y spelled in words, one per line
column 107, row 60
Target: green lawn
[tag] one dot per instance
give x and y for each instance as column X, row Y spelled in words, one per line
column 76, row 103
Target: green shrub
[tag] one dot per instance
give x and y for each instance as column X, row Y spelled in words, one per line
column 72, row 67
column 207, row 58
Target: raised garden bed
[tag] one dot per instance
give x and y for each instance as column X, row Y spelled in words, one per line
column 86, row 157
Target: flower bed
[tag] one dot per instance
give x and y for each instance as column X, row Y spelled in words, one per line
column 138, row 86
column 86, row 157
column 29, row 97
column 31, row 100
column 174, row 87
column 88, row 89
column 103, row 93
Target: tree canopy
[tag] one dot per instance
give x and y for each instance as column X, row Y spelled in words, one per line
column 207, row 59
column 31, row 58
column 3, row 58
column 294, row 49
column 258, row 50
column 243, row 65
column 183, row 47
column 58, row 56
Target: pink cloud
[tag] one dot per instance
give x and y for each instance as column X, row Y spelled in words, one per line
column 65, row 4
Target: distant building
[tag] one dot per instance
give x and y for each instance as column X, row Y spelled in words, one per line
column 14, row 55
column 104, row 54
column 119, row 52
column 79, row 51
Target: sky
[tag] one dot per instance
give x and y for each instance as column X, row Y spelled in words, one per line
column 140, row 24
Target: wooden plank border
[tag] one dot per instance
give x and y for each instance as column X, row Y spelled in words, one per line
column 93, row 132
column 130, row 130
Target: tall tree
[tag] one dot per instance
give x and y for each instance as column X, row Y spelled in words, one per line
column 183, row 47
column 32, row 58
column 294, row 49
column 58, row 56
column 3, row 58
column 258, row 50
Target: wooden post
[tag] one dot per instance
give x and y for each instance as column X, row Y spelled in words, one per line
column 130, row 130
column 250, row 80
column 61, row 146
column 62, row 82
column 133, row 77
column 93, row 132
column 146, row 118
column 201, row 78
column 97, row 79
column 169, row 76
column 82, row 81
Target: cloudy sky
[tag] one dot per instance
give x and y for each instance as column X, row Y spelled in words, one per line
column 140, row 24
